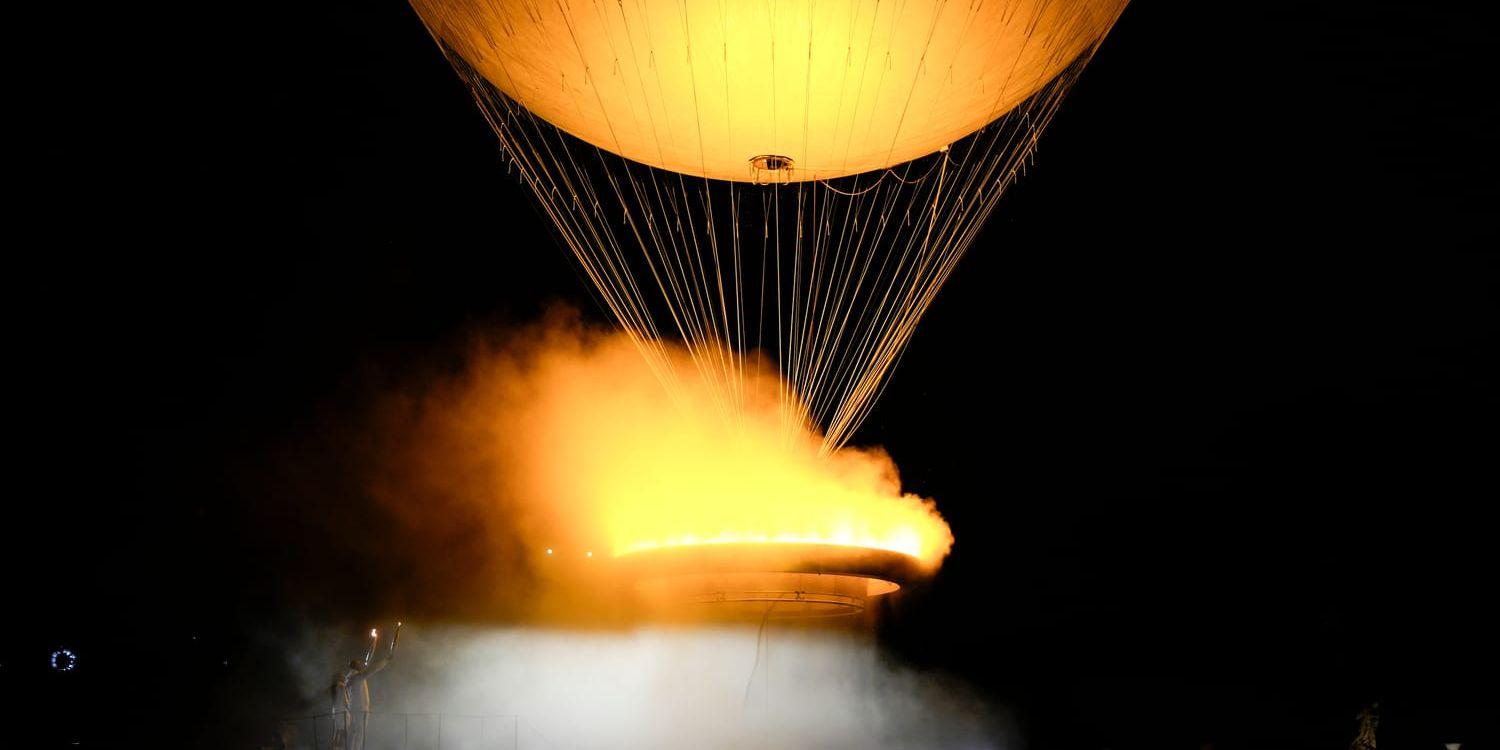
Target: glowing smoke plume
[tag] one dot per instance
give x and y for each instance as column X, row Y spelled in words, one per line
column 595, row 454
column 650, row 688
column 563, row 438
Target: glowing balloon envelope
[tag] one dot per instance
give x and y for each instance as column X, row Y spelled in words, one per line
column 737, row 89
column 878, row 135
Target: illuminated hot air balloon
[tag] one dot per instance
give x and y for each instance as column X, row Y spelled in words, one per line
column 792, row 179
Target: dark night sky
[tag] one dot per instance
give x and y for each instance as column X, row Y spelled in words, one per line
column 1214, row 387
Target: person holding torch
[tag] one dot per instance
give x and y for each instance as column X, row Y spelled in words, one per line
column 351, row 693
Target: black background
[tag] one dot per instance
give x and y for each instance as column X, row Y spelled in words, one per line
column 1210, row 403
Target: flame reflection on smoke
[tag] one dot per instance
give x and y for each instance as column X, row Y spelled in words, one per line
column 568, row 437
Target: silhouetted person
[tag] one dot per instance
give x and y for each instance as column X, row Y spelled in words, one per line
column 1368, row 720
column 351, row 694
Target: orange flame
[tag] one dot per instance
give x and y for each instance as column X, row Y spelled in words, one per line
column 688, row 477
column 610, row 457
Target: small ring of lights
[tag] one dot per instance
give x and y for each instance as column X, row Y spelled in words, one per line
column 64, row 660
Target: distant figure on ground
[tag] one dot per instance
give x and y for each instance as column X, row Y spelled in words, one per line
column 1368, row 720
column 351, row 694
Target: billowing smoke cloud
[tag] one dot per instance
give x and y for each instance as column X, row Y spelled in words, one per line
column 562, row 438
column 656, row 687
column 441, row 510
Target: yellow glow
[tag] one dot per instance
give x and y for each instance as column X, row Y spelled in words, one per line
column 839, row 86
column 706, row 486
column 603, row 457
column 664, row 475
